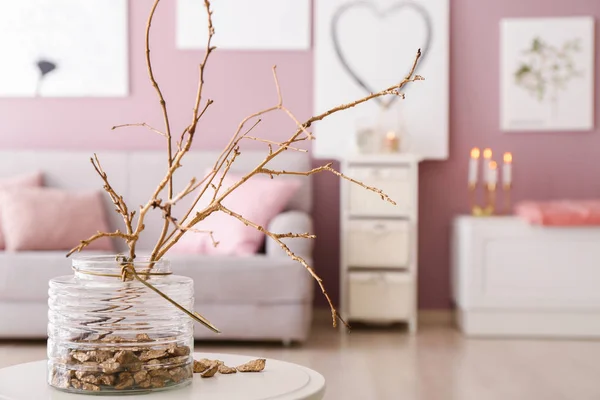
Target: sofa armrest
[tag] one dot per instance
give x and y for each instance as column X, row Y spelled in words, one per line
column 294, row 222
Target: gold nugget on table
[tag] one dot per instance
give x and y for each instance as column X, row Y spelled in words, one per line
column 253, row 366
column 225, row 370
column 208, row 368
column 211, row 371
column 202, row 365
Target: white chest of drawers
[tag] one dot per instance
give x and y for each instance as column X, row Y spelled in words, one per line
column 379, row 240
column 510, row 278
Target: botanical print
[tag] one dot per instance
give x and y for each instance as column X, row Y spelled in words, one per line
column 547, row 74
column 64, row 48
column 546, row 69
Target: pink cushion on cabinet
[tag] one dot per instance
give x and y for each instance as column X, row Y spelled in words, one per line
column 25, row 180
column 560, row 213
column 52, row 219
column 259, row 200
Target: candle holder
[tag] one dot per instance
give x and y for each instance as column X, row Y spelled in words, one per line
column 507, row 189
column 490, row 185
column 489, row 196
column 488, row 208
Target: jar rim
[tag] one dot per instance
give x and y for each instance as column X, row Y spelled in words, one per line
column 110, row 263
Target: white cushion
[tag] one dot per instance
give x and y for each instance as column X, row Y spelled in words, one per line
column 257, row 279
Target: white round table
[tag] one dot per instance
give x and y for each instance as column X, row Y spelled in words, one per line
column 279, row 381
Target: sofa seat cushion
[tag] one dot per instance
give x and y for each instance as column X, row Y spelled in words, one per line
column 244, row 280
column 24, row 275
column 255, row 279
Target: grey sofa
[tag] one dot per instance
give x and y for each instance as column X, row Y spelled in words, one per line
column 266, row 296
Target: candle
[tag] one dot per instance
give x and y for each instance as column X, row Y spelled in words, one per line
column 492, row 176
column 507, row 170
column 392, row 143
column 487, row 157
column 473, row 166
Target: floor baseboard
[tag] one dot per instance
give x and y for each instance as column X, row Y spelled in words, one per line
column 322, row 316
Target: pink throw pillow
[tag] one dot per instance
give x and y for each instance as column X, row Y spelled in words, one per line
column 560, row 213
column 28, row 180
column 259, row 200
column 52, row 219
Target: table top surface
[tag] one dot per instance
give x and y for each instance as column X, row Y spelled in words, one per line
column 279, row 381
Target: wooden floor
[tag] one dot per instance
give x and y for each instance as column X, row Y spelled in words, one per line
column 436, row 364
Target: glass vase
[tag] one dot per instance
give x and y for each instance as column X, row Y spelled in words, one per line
column 113, row 335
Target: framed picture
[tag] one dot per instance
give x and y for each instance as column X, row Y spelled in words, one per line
column 246, row 24
column 63, row 48
column 547, row 74
column 366, row 46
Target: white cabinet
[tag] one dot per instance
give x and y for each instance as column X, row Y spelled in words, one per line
column 379, row 245
column 510, row 278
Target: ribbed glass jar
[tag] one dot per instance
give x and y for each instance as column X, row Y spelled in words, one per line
column 109, row 336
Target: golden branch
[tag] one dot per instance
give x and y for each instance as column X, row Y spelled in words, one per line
column 275, row 143
column 161, row 99
column 163, row 106
column 174, row 162
column 86, row 242
column 216, row 202
column 277, row 238
column 328, row 167
column 390, row 90
column 118, row 201
column 186, row 130
column 285, row 109
column 186, row 190
column 143, row 124
column 295, row 235
column 215, row 243
column 172, row 239
column 209, row 49
column 228, row 164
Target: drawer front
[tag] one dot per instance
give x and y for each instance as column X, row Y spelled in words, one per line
column 393, row 181
column 385, row 296
column 378, row 244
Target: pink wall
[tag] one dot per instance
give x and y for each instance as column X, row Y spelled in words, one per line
column 546, row 166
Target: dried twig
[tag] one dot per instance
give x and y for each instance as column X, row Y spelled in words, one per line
column 275, row 143
column 283, row 145
column 334, row 314
column 118, row 201
column 285, row 109
column 328, row 167
column 215, row 243
column 209, row 49
column 174, row 162
column 145, row 125
column 161, row 99
column 228, row 164
column 295, row 235
column 99, row 235
column 163, row 106
column 186, row 130
column 187, row 190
